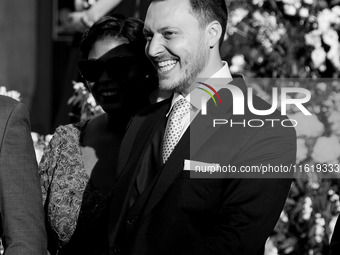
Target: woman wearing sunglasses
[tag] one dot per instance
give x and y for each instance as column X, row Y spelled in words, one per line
column 78, row 168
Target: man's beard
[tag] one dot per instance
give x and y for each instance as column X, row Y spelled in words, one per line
column 194, row 65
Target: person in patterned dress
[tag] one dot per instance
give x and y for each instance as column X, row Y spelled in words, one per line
column 78, row 168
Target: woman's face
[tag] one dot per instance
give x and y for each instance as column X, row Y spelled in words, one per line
column 111, row 88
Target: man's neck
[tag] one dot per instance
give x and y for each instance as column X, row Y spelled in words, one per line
column 208, row 72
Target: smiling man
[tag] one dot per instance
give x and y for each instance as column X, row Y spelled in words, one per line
column 183, row 42
column 157, row 206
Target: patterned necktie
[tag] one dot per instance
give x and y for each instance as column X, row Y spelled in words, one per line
column 180, row 109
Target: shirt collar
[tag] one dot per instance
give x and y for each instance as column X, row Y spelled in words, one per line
column 223, row 73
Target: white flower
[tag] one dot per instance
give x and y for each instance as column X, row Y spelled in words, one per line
column 13, row 94
column 308, row 1
column 330, row 37
column 313, row 38
column 337, row 203
column 307, row 208
column 297, row 4
column 320, row 221
column 91, row 100
column 258, row 2
column 238, row 15
column 2, row 90
column 318, row 239
column 334, row 120
column 284, row 217
column 302, row 150
column 271, row 19
column 238, row 60
column 333, row 55
column 258, row 17
column 318, row 56
column 319, row 228
column 322, row 68
column 306, row 212
column 325, row 18
column 326, row 149
column 321, row 86
column 334, row 197
column 314, row 185
column 267, row 44
column 304, row 12
column 78, row 85
column 336, row 10
column 308, row 201
column 290, row 2
column 237, row 63
column 289, row 9
column 275, row 35
column 307, row 125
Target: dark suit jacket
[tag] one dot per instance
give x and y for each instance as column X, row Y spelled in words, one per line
column 176, row 214
column 22, row 228
column 335, row 242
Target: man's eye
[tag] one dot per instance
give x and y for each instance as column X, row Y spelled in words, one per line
column 168, row 34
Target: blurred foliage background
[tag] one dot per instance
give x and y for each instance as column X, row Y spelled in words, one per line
column 296, row 43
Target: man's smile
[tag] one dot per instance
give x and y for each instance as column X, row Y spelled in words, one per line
column 165, row 66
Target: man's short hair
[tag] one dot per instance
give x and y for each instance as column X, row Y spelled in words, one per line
column 207, row 11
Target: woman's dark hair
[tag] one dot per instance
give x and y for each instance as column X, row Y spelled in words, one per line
column 118, row 27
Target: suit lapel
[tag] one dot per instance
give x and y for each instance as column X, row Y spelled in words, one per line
column 172, row 168
column 170, row 171
column 131, row 153
column 202, row 129
column 141, row 124
column 161, row 183
column 189, row 144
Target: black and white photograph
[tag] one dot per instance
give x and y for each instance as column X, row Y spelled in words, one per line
column 170, row 127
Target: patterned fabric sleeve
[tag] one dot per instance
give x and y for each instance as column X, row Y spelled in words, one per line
column 63, row 182
column 49, row 161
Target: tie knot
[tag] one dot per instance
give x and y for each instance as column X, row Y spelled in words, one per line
column 181, row 108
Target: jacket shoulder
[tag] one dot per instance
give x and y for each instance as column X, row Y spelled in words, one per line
column 154, row 107
column 7, row 102
column 7, row 105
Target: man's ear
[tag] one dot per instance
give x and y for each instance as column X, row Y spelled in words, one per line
column 214, row 32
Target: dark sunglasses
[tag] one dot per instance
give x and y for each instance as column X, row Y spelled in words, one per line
column 117, row 63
